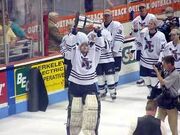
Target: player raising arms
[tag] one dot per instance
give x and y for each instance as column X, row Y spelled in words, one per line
column 84, row 105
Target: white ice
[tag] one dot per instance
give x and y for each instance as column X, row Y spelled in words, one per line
column 115, row 116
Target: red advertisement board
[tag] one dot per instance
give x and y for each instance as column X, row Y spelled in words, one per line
column 121, row 13
column 3, row 88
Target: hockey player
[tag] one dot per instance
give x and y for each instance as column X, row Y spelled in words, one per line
column 117, row 31
column 84, row 107
column 66, row 44
column 105, row 69
column 153, row 43
column 139, row 23
column 142, row 20
column 69, row 41
column 173, row 47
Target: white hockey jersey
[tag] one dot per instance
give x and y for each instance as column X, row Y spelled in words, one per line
column 106, row 54
column 171, row 49
column 84, row 67
column 151, row 49
column 117, row 31
column 69, row 41
column 139, row 23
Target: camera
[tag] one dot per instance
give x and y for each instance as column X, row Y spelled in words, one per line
column 159, row 66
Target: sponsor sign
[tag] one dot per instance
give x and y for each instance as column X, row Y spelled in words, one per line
column 128, row 65
column 3, row 89
column 121, row 13
column 21, row 78
column 53, row 74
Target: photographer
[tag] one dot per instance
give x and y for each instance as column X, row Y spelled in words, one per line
column 167, row 100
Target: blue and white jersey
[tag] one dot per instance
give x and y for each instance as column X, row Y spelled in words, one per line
column 69, row 41
column 172, row 49
column 106, row 54
column 138, row 40
column 117, row 31
column 140, row 23
column 152, row 49
column 84, row 67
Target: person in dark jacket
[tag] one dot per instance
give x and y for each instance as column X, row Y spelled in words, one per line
column 148, row 124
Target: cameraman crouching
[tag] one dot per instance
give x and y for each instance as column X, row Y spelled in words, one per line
column 170, row 86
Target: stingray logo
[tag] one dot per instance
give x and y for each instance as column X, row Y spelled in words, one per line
column 149, row 46
column 1, row 88
column 125, row 54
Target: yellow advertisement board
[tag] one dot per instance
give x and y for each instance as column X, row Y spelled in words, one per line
column 53, row 74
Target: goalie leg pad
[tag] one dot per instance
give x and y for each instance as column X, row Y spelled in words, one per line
column 74, row 123
column 91, row 115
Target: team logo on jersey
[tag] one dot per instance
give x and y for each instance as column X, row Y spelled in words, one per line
column 149, row 46
column 175, row 54
column 86, row 63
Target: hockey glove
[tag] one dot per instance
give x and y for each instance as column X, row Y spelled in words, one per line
column 74, row 31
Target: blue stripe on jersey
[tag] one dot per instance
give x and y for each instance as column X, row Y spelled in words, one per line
column 105, row 58
column 69, row 47
column 83, row 76
column 149, row 63
column 107, row 53
column 148, row 59
column 84, row 79
column 178, row 69
column 98, row 46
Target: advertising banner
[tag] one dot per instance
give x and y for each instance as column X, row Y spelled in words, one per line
column 53, row 74
column 3, row 89
column 128, row 65
column 121, row 13
column 21, row 78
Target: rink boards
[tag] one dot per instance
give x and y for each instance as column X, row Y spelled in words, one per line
column 14, row 80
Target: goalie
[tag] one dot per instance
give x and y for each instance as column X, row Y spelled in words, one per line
column 84, row 105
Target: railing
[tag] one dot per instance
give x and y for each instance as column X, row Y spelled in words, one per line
column 23, row 49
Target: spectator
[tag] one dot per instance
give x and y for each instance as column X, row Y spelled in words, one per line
column 167, row 100
column 88, row 5
column 18, row 31
column 148, row 124
column 10, row 37
column 170, row 22
column 55, row 37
